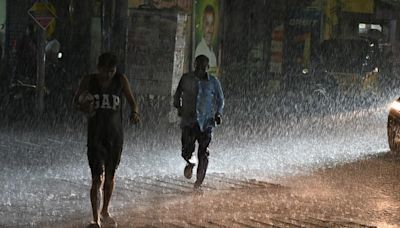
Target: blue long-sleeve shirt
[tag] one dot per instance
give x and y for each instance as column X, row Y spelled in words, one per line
column 199, row 100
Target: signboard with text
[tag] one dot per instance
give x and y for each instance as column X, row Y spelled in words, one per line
column 303, row 37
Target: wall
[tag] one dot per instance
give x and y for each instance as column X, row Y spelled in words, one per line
column 17, row 20
column 2, row 25
column 247, row 31
column 153, row 52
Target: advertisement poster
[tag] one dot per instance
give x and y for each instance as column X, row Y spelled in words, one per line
column 207, row 27
column 303, row 37
column 275, row 65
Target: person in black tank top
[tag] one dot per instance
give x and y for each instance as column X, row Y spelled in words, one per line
column 100, row 97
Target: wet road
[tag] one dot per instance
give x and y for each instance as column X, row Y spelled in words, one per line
column 364, row 193
column 45, row 173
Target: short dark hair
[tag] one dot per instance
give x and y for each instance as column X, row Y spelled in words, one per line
column 209, row 9
column 107, row 59
column 202, row 59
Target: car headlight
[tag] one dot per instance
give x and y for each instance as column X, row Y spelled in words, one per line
column 395, row 105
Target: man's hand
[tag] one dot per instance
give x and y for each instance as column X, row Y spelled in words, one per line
column 134, row 118
column 218, row 119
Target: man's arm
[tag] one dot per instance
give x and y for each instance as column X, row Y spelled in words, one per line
column 220, row 101
column 178, row 95
column 126, row 89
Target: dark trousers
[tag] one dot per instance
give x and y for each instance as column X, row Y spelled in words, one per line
column 191, row 134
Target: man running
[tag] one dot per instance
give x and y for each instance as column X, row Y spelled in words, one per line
column 200, row 102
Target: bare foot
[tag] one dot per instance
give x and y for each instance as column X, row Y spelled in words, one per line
column 93, row 225
column 107, row 221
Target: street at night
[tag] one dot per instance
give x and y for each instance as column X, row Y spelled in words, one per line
column 205, row 113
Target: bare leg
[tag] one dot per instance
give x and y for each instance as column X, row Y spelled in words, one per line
column 105, row 217
column 108, row 190
column 95, row 196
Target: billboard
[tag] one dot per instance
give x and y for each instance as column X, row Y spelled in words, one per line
column 207, row 32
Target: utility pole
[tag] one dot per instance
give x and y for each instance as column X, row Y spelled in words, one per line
column 43, row 16
column 120, row 32
column 114, row 29
column 106, row 24
column 41, row 65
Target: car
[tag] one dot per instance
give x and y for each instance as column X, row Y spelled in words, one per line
column 393, row 127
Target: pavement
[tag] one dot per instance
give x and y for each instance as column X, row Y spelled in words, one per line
column 363, row 193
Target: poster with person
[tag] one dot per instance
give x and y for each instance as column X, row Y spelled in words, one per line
column 207, row 24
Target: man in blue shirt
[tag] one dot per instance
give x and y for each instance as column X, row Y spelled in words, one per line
column 200, row 102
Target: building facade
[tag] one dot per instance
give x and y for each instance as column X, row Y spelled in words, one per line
column 255, row 43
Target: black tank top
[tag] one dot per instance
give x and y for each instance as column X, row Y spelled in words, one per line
column 106, row 123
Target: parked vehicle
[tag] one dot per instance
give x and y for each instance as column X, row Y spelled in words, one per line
column 393, row 127
column 354, row 63
column 20, row 100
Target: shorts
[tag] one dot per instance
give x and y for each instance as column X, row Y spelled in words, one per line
column 103, row 157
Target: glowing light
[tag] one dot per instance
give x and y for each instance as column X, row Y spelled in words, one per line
column 395, row 105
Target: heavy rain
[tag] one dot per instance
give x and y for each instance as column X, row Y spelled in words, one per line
column 308, row 134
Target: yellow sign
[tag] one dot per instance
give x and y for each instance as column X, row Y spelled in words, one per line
column 331, row 19
column 358, row 6
column 42, row 14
